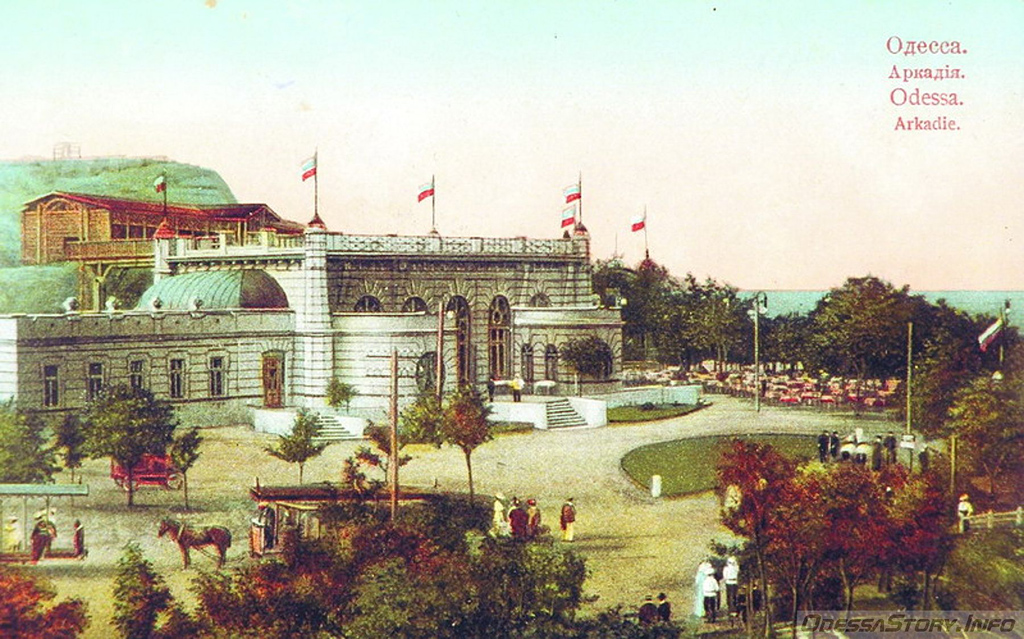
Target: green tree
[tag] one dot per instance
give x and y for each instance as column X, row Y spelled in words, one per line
column 71, row 442
column 860, row 329
column 339, row 392
column 140, row 595
column 126, row 423
column 784, row 339
column 299, row 446
column 588, row 355
column 184, row 454
column 988, row 418
column 24, row 456
column 25, row 612
column 465, row 425
column 421, row 421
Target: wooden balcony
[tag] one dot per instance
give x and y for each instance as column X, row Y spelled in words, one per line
column 109, row 251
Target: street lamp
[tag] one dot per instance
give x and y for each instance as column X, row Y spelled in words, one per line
column 760, row 306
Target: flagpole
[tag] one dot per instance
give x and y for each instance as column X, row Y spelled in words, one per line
column 579, row 185
column 1002, row 317
column 647, row 250
column 433, row 207
column 165, row 196
column 316, row 184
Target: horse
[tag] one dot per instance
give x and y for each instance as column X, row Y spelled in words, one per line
column 186, row 537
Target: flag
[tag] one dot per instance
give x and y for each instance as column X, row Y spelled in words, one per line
column 639, row 222
column 160, row 184
column 990, row 334
column 568, row 216
column 427, row 190
column 309, row 168
column 572, row 193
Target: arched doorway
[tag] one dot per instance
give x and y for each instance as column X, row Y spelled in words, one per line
column 499, row 333
column 459, row 307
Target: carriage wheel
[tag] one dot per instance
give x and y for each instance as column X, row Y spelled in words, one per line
column 174, row 481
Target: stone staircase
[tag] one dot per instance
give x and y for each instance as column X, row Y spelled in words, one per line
column 331, row 430
column 561, row 414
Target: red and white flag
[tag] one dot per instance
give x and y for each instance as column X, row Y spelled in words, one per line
column 160, row 184
column 426, row 190
column 572, row 193
column 991, row 333
column 568, row 216
column 309, row 168
column 639, row 222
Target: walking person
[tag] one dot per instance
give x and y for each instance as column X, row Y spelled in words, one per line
column 823, row 443
column 833, row 445
column 490, row 388
column 710, row 589
column 518, row 520
column 12, row 535
column 648, row 612
column 517, row 388
column 889, row 443
column 664, row 608
column 731, row 577
column 78, row 539
column 532, row 519
column 964, row 511
column 568, row 520
column 499, row 523
column 703, row 570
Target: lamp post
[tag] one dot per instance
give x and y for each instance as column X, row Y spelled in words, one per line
column 759, row 298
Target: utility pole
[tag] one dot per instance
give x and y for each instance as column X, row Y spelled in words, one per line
column 393, row 464
column 758, row 296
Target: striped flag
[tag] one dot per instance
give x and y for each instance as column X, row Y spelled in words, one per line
column 568, row 216
column 639, row 222
column 991, row 333
column 309, row 168
column 160, row 184
column 572, row 193
column 426, row 190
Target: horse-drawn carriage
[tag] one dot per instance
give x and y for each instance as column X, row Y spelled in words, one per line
column 153, row 470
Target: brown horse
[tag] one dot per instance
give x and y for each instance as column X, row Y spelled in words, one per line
column 187, row 538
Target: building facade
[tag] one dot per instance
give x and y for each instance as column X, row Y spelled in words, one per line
column 266, row 320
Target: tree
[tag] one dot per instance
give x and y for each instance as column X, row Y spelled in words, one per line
column 988, row 417
column 126, row 423
column 756, row 472
column 421, row 420
column 465, row 425
column 24, row 456
column 298, row 446
column 860, row 329
column 184, row 454
column 140, row 595
column 25, row 612
column 339, row 392
column 71, row 442
column 588, row 355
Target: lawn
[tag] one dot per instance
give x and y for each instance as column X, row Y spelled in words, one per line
column 688, row 465
column 648, row 412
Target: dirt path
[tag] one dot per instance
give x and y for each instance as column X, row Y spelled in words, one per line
column 634, row 545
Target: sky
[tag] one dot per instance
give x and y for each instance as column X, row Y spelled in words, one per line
column 761, row 137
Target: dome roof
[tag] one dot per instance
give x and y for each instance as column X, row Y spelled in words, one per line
column 249, row 288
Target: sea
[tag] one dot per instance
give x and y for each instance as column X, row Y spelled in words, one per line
column 971, row 302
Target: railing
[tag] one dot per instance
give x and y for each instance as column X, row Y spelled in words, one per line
column 432, row 244
column 81, row 251
column 389, row 245
column 991, row 520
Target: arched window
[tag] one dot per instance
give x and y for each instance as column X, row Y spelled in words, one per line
column 499, row 334
column 540, row 300
column 551, row 362
column 414, row 305
column 426, row 372
column 368, row 304
column 528, row 362
column 460, row 307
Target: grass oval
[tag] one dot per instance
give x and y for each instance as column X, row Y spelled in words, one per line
column 688, row 465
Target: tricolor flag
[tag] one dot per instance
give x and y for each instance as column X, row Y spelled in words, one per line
column 572, row 193
column 990, row 334
column 160, row 184
column 309, row 168
column 427, row 190
column 639, row 222
column 568, row 216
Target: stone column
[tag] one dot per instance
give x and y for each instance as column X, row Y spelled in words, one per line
column 314, row 365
